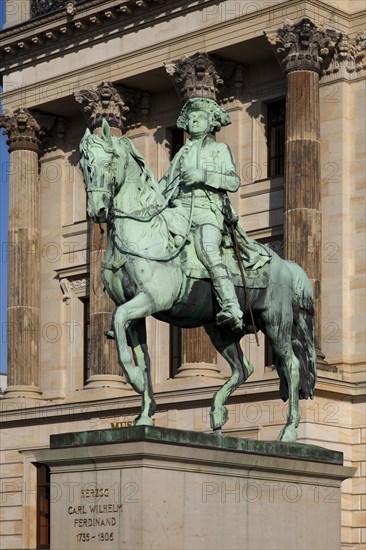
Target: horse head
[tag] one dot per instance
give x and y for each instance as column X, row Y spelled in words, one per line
column 102, row 170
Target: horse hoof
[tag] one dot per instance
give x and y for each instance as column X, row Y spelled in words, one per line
column 144, row 421
column 288, row 434
column 218, row 417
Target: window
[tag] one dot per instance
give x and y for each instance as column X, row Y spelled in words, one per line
column 175, row 137
column 276, row 138
column 43, row 506
column 86, row 339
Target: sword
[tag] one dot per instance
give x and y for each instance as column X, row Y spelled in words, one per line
column 229, row 222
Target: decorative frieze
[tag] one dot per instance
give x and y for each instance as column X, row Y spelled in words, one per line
column 42, row 7
column 303, row 46
column 77, row 17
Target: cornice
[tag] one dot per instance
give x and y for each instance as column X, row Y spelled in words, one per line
column 120, row 66
column 34, row 37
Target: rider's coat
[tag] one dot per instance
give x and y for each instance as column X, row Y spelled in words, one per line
column 219, row 167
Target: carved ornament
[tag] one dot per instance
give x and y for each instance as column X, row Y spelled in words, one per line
column 41, row 7
column 104, row 101
column 304, row 46
column 233, row 75
column 69, row 287
column 138, row 102
column 25, row 130
column 195, row 76
column 350, row 55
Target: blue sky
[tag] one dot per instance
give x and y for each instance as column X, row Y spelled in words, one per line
column 4, row 160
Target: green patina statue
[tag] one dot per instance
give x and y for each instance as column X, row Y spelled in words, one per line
column 210, row 168
column 169, row 244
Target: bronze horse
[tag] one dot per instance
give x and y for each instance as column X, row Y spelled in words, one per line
column 142, row 272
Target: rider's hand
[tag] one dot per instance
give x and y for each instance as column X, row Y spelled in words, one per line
column 193, row 176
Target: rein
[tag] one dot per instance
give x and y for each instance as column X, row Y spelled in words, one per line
column 98, row 295
column 176, row 252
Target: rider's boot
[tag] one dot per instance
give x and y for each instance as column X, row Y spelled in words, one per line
column 231, row 313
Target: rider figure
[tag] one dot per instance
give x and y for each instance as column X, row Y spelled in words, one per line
column 209, row 168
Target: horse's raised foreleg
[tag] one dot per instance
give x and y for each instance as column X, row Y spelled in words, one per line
column 226, row 343
column 136, row 337
column 131, row 316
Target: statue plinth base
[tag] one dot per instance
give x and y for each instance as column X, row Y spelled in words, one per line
column 158, row 488
column 98, row 381
column 208, row 370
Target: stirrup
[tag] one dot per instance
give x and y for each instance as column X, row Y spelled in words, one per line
column 225, row 317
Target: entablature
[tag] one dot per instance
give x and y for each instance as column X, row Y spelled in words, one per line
column 57, row 24
column 71, row 22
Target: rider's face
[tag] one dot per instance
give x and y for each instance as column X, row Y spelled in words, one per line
column 198, row 122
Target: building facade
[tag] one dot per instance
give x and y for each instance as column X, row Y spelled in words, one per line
column 294, row 74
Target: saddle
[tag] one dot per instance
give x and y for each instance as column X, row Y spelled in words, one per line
column 256, row 257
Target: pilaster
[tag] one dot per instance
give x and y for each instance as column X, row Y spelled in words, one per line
column 197, row 76
column 103, row 101
column 25, row 131
column 304, row 51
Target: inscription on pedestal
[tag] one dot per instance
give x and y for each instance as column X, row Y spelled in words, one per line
column 95, row 521
column 93, row 512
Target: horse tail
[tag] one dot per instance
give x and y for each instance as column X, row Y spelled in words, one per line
column 303, row 329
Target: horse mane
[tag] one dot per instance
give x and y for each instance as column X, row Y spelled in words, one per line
column 86, row 144
column 150, row 194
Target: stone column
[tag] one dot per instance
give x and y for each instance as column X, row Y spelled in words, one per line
column 24, row 140
column 196, row 76
column 199, row 357
column 304, row 50
column 97, row 103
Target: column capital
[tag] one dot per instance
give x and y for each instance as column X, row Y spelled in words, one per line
column 303, row 46
column 102, row 101
column 25, row 130
column 350, row 55
column 195, row 76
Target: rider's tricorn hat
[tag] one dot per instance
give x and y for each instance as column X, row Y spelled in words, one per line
column 220, row 117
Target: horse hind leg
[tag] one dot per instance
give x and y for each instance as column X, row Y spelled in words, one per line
column 287, row 361
column 228, row 346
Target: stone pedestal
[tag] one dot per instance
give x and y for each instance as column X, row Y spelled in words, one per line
column 156, row 488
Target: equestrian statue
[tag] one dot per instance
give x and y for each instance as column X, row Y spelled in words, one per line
column 176, row 251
